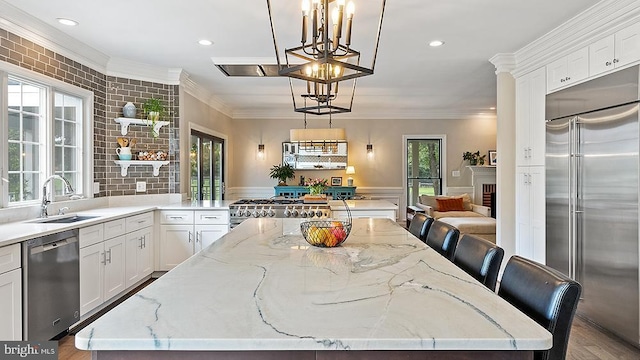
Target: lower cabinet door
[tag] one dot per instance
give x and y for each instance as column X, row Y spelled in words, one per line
column 92, row 259
column 208, row 234
column 176, row 245
column 11, row 305
column 139, row 253
column 114, row 269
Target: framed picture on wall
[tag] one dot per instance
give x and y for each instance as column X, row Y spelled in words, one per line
column 493, row 155
column 336, row 181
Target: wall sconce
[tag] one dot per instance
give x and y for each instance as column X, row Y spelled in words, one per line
column 369, row 151
column 261, row 151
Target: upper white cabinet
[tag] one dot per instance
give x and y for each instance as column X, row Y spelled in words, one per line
column 530, row 111
column 568, row 70
column 616, row 50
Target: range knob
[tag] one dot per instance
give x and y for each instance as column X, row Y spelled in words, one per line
column 287, row 212
column 311, row 213
column 240, row 212
column 263, row 212
column 303, row 212
column 294, row 213
column 272, row 213
column 318, row 212
column 255, row 212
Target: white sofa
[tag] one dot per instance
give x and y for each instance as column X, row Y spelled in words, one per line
column 471, row 219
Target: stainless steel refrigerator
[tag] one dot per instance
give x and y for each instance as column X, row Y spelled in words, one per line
column 592, row 145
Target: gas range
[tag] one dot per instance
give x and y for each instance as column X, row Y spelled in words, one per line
column 276, row 208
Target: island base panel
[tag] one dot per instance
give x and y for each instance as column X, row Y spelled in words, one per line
column 314, row 355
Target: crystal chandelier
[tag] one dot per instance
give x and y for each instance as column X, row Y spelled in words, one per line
column 325, row 57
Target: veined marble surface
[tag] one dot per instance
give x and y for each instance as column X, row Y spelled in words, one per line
column 262, row 287
column 355, row 205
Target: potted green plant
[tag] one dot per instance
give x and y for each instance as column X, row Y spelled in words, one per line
column 153, row 109
column 282, row 173
column 474, row 158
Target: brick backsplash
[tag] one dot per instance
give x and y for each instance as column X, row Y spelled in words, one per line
column 110, row 95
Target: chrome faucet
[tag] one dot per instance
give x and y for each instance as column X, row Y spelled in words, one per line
column 68, row 189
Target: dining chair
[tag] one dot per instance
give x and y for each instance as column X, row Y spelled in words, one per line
column 420, row 225
column 480, row 258
column 547, row 296
column 443, row 238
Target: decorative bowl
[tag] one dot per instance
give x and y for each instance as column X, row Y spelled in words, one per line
column 325, row 233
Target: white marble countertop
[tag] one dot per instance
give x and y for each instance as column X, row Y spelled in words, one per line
column 11, row 233
column 363, row 205
column 262, row 287
column 15, row 232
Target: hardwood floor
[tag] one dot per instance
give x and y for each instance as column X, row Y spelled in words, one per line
column 587, row 342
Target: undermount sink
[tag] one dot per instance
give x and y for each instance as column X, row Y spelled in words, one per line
column 64, row 220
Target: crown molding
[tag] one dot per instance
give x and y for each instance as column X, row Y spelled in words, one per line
column 503, row 62
column 134, row 70
column 199, row 92
column 26, row 26
column 597, row 22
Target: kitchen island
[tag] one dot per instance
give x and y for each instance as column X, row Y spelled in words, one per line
column 261, row 292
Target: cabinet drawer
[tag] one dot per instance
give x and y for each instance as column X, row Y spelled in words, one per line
column 218, row 217
column 139, row 221
column 114, row 228
column 176, row 217
column 9, row 258
column 91, row 235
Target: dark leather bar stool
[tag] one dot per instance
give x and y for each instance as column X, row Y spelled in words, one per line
column 420, row 225
column 480, row 258
column 547, row 296
column 443, row 238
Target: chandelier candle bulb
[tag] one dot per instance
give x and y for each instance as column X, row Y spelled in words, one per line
column 305, row 19
column 351, row 8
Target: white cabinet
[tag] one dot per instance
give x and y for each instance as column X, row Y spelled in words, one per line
column 102, row 264
column 530, row 212
column 139, row 256
column 530, row 118
column 10, row 293
column 616, row 50
column 568, row 70
column 184, row 233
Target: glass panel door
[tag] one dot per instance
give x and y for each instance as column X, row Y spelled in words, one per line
column 423, row 168
column 206, row 167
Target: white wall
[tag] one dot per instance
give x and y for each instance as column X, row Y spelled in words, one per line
column 197, row 115
column 382, row 174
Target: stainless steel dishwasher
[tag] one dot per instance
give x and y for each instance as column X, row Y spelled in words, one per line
column 51, row 278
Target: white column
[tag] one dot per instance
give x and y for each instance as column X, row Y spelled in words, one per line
column 506, row 146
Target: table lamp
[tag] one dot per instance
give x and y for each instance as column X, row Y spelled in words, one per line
column 350, row 171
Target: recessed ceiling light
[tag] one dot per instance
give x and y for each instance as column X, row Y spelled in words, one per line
column 436, row 43
column 205, row 42
column 67, row 22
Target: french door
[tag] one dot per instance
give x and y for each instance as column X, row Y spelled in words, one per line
column 207, row 168
column 424, row 165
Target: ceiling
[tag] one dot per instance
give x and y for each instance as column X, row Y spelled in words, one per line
column 411, row 80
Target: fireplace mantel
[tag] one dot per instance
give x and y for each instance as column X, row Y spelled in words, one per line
column 481, row 175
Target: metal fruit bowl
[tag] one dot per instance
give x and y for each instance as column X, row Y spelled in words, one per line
column 325, row 233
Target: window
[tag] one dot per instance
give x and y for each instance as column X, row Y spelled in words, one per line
column 423, row 168
column 47, row 134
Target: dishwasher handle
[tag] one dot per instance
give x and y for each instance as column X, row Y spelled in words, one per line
column 53, row 245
